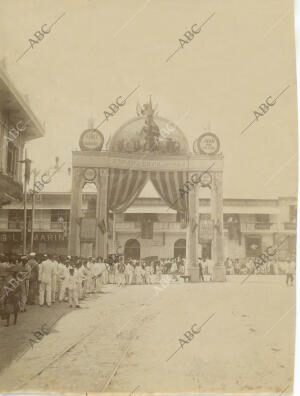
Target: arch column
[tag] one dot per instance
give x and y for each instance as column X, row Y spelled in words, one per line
column 191, row 237
column 74, row 237
column 219, row 273
column 102, row 213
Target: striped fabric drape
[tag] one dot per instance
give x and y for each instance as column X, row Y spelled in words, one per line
column 167, row 184
column 124, row 187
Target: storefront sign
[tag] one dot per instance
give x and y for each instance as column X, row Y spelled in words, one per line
column 10, row 236
column 48, row 236
column 37, row 236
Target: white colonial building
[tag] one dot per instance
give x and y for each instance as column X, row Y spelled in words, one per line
column 18, row 125
column 150, row 228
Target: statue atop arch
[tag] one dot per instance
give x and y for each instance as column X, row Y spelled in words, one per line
column 150, row 130
column 149, row 133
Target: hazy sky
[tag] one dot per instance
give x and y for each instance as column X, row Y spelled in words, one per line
column 100, row 50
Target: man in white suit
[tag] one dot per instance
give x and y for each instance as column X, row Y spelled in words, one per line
column 46, row 271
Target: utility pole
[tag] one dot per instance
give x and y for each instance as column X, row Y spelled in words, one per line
column 25, row 206
column 27, row 164
column 114, row 233
column 35, row 173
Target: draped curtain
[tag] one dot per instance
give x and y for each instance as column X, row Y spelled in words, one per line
column 124, row 187
column 167, row 184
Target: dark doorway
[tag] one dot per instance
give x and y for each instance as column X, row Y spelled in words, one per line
column 253, row 246
column 206, row 250
column 132, row 249
column 180, row 248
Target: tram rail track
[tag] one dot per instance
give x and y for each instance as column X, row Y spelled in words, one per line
column 128, row 334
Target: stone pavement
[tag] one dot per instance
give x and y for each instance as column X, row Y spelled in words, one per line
column 123, row 339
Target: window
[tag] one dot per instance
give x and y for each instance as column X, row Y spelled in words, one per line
column 12, row 157
column 180, row 248
column 15, row 218
column 131, row 217
column 293, row 213
column 205, row 216
column 180, row 217
column 262, row 218
column 59, row 216
column 230, row 218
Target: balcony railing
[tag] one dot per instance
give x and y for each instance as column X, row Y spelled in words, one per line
column 15, row 225
column 130, row 226
column 167, row 226
column 254, row 227
column 290, row 226
column 39, row 225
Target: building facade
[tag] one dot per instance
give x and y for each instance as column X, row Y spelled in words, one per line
column 150, row 229
column 18, row 125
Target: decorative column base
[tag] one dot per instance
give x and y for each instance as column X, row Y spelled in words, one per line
column 194, row 274
column 219, row 273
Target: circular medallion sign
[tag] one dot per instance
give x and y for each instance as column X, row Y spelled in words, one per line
column 205, row 179
column 208, row 143
column 91, row 140
column 90, row 174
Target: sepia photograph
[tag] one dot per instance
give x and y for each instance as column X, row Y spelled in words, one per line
column 148, row 197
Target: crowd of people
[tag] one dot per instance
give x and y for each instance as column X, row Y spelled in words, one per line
column 47, row 279
column 273, row 266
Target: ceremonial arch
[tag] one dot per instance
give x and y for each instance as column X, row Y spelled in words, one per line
column 148, row 147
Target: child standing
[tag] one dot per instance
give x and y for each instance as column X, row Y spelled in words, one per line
column 12, row 299
column 73, row 289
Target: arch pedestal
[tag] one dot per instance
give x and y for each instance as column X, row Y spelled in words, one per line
column 219, row 273
column 101, row 245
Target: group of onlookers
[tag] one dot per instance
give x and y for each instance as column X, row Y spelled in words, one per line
column 138, row 272
column 45, row 279
column 272, row 266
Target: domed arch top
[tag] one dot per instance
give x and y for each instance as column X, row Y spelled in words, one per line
column 149, row 133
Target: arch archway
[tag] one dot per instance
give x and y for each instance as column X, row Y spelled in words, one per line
column 180, row 248
column 132, row 249
column 149, row 147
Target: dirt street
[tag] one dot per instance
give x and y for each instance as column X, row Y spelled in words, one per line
column 123, row 341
